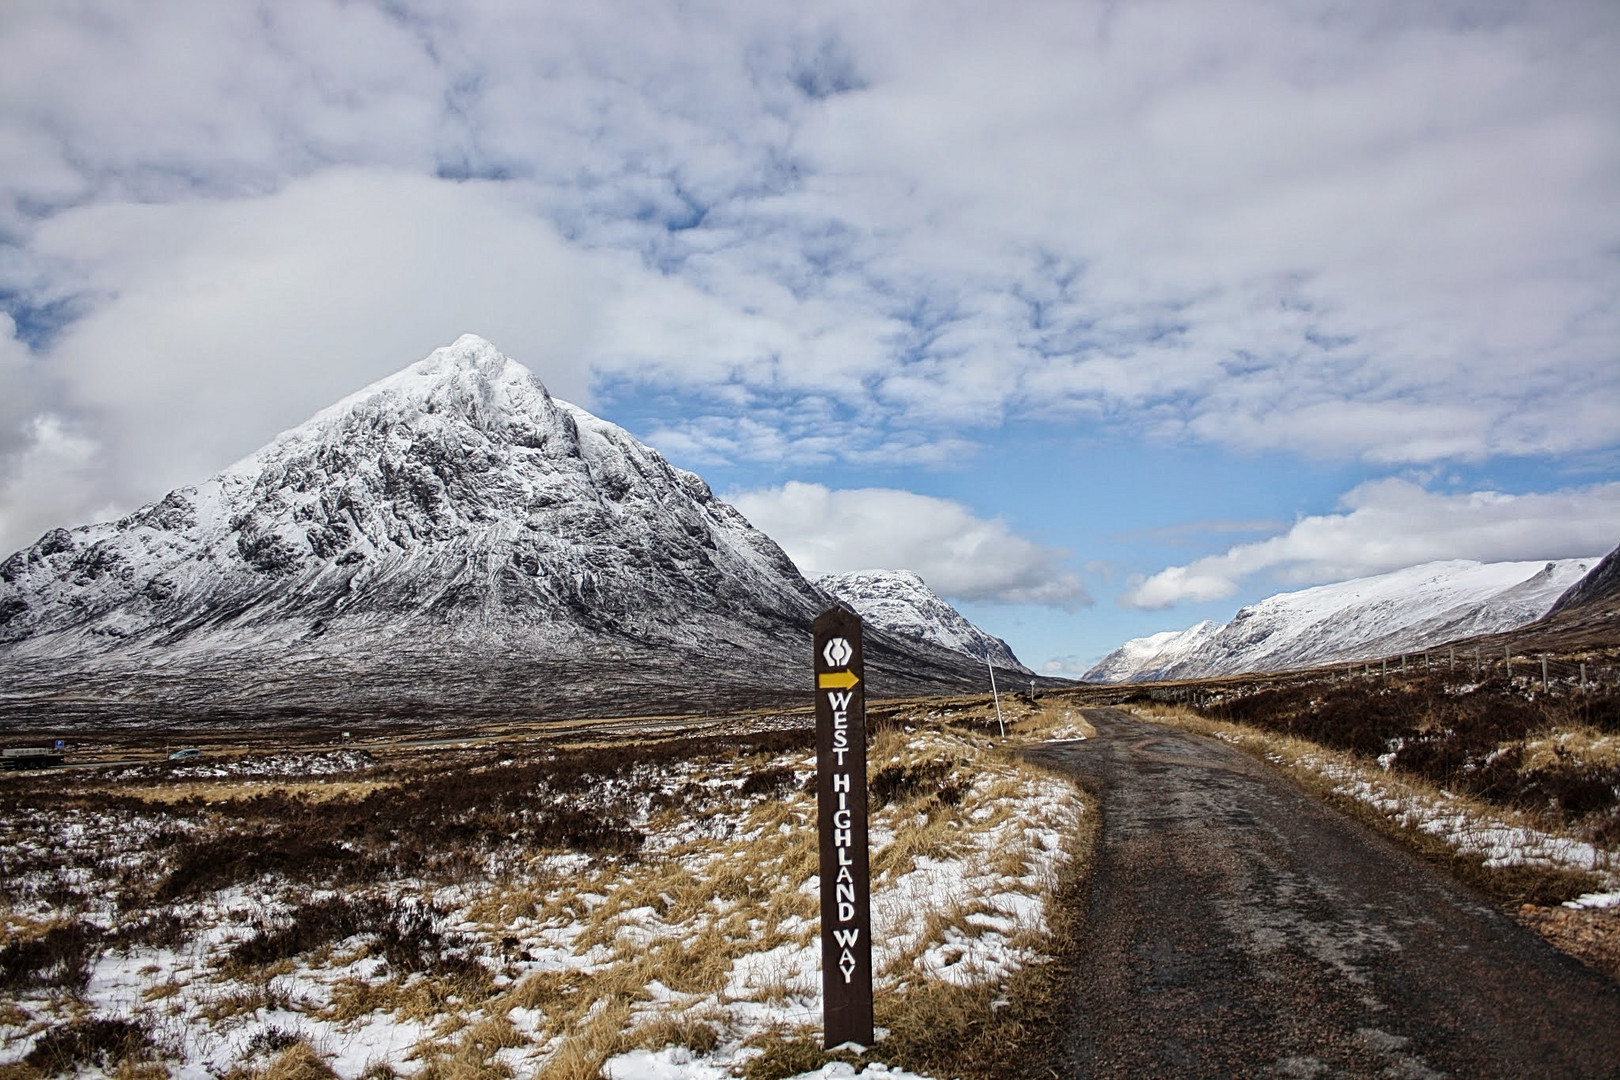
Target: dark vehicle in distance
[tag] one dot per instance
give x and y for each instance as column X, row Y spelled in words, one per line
column 30, row 757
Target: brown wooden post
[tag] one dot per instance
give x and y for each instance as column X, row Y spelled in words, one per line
column 846, row 881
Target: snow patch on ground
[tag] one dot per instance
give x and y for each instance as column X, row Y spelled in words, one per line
column 287, row 763
column 965, row 905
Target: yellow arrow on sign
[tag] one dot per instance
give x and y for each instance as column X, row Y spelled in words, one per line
column 836, row 680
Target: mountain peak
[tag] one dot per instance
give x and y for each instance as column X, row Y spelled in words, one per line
column 900, row 601
column 450, row 531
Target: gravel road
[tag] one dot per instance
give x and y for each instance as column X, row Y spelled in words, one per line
column 1235, row 927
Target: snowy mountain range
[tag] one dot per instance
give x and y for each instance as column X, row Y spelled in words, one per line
column 901, row 602
column 451, row 533
column 1404, row 610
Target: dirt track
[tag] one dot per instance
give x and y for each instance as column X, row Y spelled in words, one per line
column 1235, row 927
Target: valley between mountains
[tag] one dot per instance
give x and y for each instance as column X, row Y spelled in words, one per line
column 499, row 764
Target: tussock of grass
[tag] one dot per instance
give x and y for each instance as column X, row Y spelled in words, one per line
column 299, row 1062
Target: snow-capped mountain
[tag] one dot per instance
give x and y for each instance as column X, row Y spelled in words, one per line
column 901, row 602
column 1146, row 659
column 1404, row 610
column 451, row 532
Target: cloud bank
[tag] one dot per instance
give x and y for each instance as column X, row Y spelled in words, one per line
column 959, row 555
column 1378, row 232
column 1390, row 524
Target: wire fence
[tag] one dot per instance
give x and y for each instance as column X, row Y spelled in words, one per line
column 1527, row 670
column 1448, row 669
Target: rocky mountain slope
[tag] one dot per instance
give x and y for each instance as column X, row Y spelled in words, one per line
column 1598, row 593
column 1405, row 610
column 901, row 602
column 451, row 536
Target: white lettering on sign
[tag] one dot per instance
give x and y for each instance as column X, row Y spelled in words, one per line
column 841, row 813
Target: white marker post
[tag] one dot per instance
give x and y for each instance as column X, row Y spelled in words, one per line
column 996, row 697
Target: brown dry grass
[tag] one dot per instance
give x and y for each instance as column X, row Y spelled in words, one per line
column 225, row 791
column 1052, row 719
column 1576, row 744
column 1590, row 935
column 728, row 896
column 299, row 1062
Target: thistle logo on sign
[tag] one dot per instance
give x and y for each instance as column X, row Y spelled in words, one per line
column 837, row 653
column 846, row 915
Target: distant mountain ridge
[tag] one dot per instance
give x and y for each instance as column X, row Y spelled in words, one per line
column 1404, row 610
column 1149, row 658
column 901, row 602
column 449, row 534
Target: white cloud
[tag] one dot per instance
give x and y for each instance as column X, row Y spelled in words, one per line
column 1390, row 524
column 217, row 323
column 1380, row 231
column 1353, row 234
column 959, row 555
column 44, row 481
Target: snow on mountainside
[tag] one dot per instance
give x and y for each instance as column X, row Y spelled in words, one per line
column 900, row 601
column 1359, row 619
column 1147, row 658
column 450, row 532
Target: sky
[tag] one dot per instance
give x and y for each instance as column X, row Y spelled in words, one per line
column 1105, row 317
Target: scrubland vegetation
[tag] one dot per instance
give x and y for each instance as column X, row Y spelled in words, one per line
column 534, row 906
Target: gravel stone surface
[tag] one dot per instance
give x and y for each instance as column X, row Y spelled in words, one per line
column 1236, row 927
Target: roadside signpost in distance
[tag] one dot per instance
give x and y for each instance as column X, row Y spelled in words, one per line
column 846, row 880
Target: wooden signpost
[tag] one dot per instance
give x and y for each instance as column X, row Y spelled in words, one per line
column 846, row 881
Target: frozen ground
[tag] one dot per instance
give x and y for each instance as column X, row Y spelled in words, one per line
column 676, row 937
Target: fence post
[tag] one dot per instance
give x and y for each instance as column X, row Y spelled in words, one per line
column 1451, row 656
column 1543, row 673
column 1403, row 664
column 1477, row 662
column 1583, row 675
column 1507, row 660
